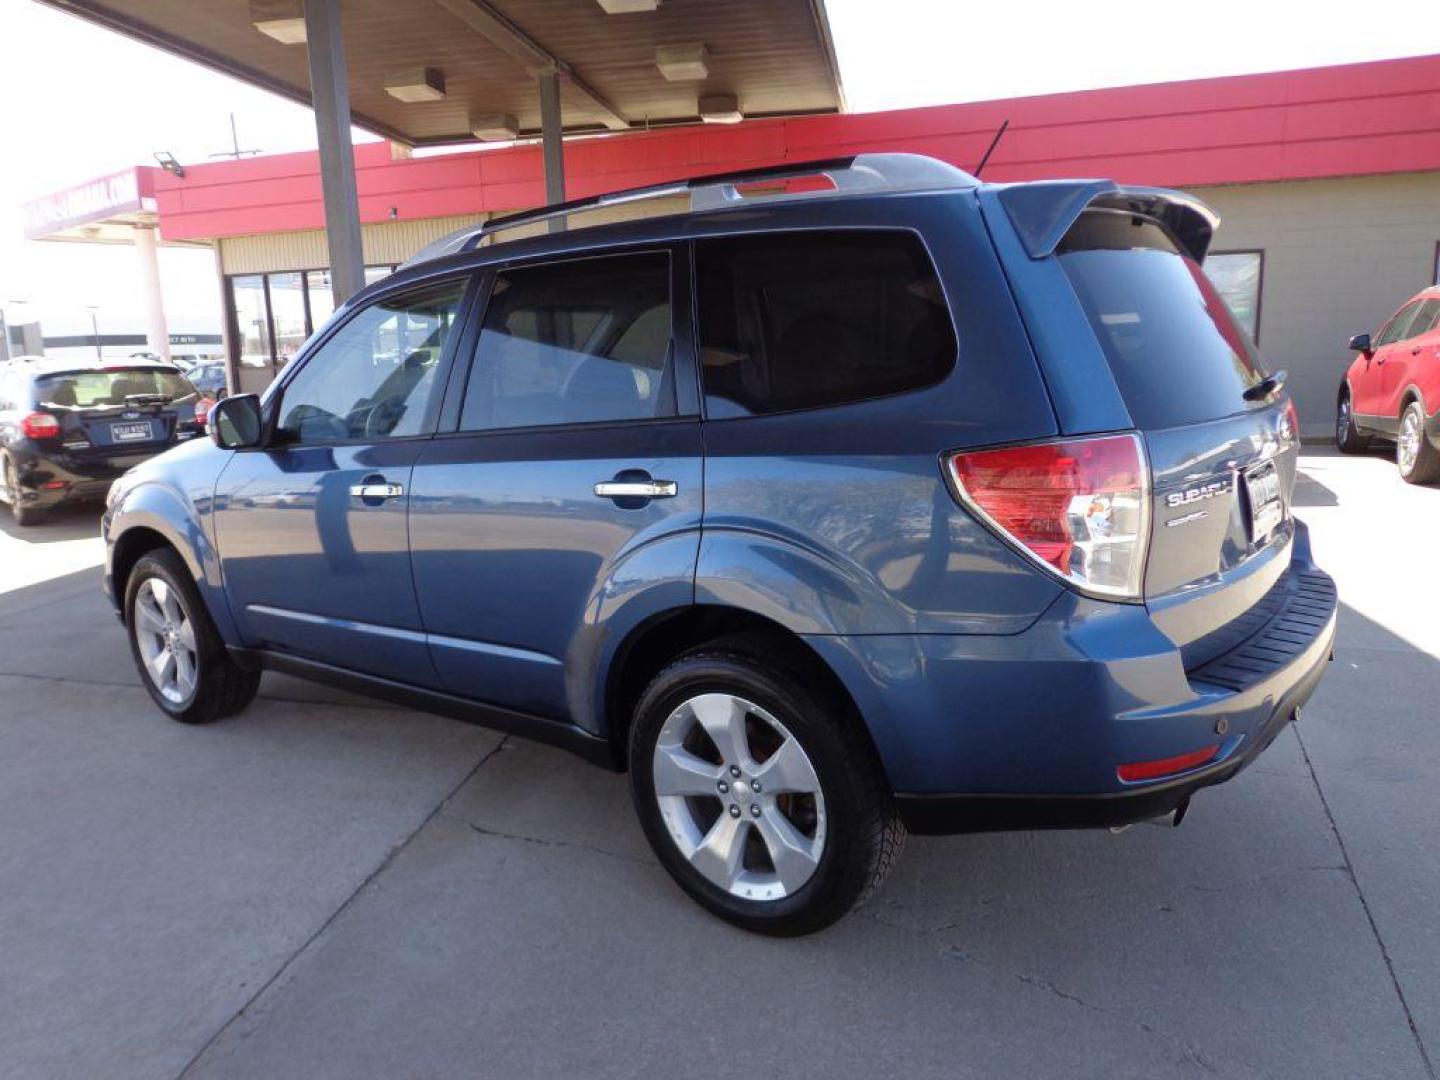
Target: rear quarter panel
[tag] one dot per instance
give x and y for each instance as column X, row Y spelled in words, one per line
column 839, row 520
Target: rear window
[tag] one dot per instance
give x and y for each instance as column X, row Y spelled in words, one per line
column 113, row 386
column 1175, row 349
column 800, row 320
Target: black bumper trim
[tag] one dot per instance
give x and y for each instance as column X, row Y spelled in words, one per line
column 942, row 815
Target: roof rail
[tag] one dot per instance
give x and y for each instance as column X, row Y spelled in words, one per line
column 860, row 173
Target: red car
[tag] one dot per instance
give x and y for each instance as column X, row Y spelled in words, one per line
column 1392, row 390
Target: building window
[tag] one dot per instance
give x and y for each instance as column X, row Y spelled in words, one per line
column 1237, row 276
column 252, row 320
column 274, row 314
column 288, row 315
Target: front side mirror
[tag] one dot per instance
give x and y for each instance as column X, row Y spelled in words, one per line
column 237, row 423
column 1361, row 343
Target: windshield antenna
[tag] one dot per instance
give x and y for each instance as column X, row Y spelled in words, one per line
column 991, row 149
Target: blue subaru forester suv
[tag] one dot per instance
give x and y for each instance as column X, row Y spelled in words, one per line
column 831, row 501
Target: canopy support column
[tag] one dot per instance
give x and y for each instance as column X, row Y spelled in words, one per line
column 330, row 95
column 552, row 133
column 157, row 333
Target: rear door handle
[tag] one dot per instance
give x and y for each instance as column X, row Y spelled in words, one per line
column 637, row 489
column 377, row 490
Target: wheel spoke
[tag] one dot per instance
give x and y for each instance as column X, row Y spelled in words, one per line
column 679, row 772
column 163, row 664
column 718, row 855
column 148, row 614
column 723, row 718
column 186, row 633
column 788, row 769
column 184, row 672
column 794, row 854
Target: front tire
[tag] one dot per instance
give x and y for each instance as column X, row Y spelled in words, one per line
column 1418, row 460
column 1348, row 439
column 181, row 659
column 761, row 798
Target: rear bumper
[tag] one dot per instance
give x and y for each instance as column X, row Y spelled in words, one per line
column 47, row 480
column 1028, row 731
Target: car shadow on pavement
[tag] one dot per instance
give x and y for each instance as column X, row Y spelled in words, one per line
column 78, row 522
column 1311, row 492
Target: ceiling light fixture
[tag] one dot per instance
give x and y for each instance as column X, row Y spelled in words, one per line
column 283, row 20
column 682, row 63
column 628, row 7
column 416, row 84
column 498, row 128
column 720, row 109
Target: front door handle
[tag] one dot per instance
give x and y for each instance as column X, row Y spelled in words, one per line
column 373, row 490
column 637, row 489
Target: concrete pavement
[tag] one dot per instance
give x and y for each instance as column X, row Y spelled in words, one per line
column 326, row 887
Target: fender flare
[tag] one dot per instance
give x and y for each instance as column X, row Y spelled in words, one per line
column 165, row 510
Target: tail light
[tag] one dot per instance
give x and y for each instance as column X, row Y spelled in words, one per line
column 1290, row 424
column 1079, row 508
column 202, row 410
column 40, row 425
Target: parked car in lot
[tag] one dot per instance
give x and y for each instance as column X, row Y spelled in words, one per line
column 67, row 431
column 1392, row 389
column 208, row 376
column 861, row 497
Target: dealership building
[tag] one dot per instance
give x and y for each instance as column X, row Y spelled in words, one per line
column 1327, row 182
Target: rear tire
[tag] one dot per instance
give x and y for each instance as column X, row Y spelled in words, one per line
column 790, row 823
column 1348, row 439
column 178, row 652
column 23, row 515
column 1418, row 460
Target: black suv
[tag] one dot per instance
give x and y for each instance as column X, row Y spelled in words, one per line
column 67, row 430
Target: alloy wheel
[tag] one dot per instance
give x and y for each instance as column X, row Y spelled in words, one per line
column 1408, row 442
column 1342, row 420
column 739, row 796
column 165, row 636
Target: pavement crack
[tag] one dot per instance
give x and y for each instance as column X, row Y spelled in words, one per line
column 1365, row 906
column 542, row 842
column 344, row 906
column 1189, row 1050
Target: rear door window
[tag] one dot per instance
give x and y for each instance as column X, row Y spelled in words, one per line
column 1175, row 349
column 586, row 341
column 801, row 320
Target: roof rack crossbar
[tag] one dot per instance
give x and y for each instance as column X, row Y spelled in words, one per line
column 857, row 173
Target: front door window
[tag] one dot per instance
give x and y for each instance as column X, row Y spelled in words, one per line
column 375, row 377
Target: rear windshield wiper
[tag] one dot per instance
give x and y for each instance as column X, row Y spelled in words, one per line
column 1267, row 386
column 146, row 399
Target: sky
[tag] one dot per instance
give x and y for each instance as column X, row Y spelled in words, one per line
column 78, row 102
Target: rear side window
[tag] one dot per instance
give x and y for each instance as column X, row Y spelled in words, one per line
column 1175, row 349
column 800, row 320
column 575, row 342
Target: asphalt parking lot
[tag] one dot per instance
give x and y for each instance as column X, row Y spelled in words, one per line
column 325, row 887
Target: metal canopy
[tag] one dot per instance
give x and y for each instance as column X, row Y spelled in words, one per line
column 774, row 56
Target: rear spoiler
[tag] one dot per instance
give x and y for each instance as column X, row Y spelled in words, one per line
column 1043, row 211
